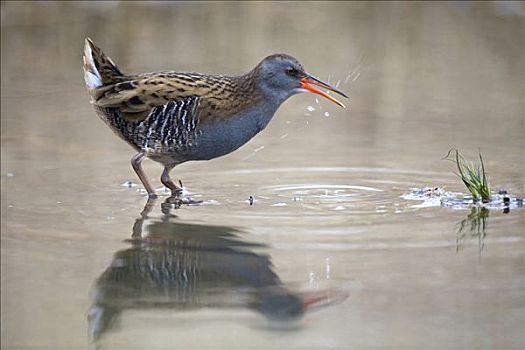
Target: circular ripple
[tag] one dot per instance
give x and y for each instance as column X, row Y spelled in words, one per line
column 323, row 191
column 287, row 193
column 320, row 197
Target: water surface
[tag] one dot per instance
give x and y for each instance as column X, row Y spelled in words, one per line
column 329, row 255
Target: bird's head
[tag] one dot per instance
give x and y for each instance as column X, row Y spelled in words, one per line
column 282, row 75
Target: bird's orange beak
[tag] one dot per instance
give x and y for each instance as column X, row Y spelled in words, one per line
column 309, row 83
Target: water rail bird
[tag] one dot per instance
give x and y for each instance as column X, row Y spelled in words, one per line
column 174, row 117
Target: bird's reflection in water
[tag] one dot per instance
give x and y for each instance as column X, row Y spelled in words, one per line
column 185, row 266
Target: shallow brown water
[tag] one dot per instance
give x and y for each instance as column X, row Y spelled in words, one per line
column 327, row 221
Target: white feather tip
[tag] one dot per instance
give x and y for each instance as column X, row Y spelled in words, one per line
column 91, row 75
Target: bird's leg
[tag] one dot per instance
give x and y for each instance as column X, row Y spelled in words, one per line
column 136, row 161
column 166, row 181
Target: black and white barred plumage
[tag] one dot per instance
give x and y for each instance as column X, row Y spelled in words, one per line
column 169, row 128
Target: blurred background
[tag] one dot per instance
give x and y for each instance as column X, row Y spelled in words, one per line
column 422, row 77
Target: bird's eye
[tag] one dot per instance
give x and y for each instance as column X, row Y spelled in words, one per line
column 291, row 71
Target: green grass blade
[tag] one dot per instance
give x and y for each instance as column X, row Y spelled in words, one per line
column 472, row 175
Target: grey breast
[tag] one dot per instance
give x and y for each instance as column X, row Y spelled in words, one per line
column 225, row 136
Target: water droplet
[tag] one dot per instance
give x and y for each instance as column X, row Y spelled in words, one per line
column 326, row 114
column 310, row 109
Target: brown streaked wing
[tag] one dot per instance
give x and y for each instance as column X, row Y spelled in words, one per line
column 221, row 96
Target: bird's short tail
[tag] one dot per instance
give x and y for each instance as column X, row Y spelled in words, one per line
column 99, row 69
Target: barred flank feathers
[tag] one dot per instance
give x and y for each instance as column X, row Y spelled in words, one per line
column 99, row 69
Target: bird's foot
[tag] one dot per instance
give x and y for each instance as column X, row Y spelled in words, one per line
column 177, row 192
column 173, row 202
column 177, row 199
